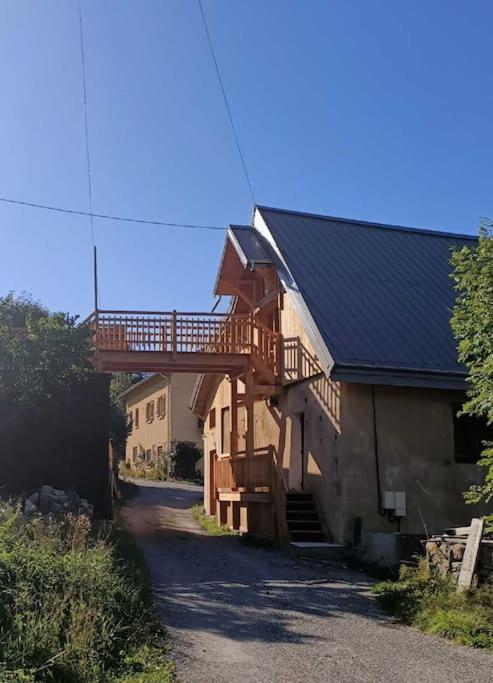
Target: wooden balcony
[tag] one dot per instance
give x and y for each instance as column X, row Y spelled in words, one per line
column 182, row 342
column 244, row 473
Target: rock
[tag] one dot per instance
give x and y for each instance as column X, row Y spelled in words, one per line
column 29, row 507
column 457, row 552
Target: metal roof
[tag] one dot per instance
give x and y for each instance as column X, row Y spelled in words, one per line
column 380, row 296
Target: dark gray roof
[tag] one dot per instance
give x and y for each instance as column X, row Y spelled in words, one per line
column 380, row 295
column 250, row 243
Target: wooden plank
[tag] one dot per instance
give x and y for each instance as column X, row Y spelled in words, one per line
column 470, row 559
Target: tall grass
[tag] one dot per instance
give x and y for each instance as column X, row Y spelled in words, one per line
column 431, row 602
column 74, row 605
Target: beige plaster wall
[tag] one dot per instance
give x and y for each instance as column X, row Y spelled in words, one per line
column 149, row 435
column 179, row 423
column 416, row 455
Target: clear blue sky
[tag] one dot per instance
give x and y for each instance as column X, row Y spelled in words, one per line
column 376, row 110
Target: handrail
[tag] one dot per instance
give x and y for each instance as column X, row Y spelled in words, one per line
column 279, row 491
column 188, row 332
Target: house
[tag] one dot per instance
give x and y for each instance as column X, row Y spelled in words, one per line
column 349, row 434
column 158, row 413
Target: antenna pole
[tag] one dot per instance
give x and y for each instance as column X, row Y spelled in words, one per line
column 95, row 278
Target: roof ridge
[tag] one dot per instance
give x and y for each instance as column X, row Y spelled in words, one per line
column 371, row 224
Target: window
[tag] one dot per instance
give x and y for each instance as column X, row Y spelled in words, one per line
column 134, row 453
column 130, row 422
column 469, row 434
column 225, row 430
column 148, row 455
column 212, row 418
column 200, row 425
column 136, row 418
column 150, row 411
column 159, row 452
column 161, row 407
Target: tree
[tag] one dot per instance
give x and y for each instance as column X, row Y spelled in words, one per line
column 472, row 324
column 42, row 354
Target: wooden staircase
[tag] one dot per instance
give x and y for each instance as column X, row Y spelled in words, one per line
column 303, row 519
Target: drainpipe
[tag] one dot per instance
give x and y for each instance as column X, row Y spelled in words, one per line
column 375, row 450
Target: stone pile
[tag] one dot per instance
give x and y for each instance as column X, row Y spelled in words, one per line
column 445, row 554
column 48, row 500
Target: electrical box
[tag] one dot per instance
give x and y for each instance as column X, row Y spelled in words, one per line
column 400, row 504
column 395, row 502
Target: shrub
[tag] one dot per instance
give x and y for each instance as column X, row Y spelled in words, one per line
column 73, row 605
column 424, row 599
column 182, row 458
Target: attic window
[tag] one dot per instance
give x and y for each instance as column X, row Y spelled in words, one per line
column 469, row 434
column 212, row 418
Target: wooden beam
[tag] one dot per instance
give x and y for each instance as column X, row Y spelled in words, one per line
column 234, row 416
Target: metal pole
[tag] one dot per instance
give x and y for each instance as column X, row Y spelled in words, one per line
column 95, row 253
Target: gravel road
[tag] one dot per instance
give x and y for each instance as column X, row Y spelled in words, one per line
column 238, row 613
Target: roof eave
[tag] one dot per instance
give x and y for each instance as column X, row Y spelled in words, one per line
column 432, row 379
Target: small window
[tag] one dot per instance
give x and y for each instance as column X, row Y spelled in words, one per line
column 134, row 453
column 130, row 422
column 161, row 407
column 136, row 418
column 469, row 434
column 159, row 452
column 212, row 418
column 150, row 411
column 225, row 430
column 148, row 455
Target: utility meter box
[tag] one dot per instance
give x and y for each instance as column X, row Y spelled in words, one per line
column 395, row 502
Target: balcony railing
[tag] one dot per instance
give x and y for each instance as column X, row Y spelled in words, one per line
column 174, row 332
column 241, row 471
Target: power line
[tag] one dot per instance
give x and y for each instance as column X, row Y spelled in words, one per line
column 109, row 217
column 228, row 108
column 86, row 129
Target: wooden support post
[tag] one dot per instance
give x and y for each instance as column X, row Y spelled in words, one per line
column 173, row 335
column 234, row 417
column 250, row 431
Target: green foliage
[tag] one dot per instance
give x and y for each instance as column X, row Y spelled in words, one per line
column 41, row 354
column 432, row 603
column 209, row 524
column 182, row 459
column 472, row 324
column 74, row 605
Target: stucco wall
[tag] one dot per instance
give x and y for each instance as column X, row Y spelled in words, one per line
column 416, row 455
column 148, row 435
column 179, row 423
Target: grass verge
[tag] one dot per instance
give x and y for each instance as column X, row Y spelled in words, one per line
column 209, row 524
column 431, row 603
column 75, row 604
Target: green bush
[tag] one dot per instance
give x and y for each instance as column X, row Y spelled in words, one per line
column 209, row 524
column 74, row 604
column 424, row 599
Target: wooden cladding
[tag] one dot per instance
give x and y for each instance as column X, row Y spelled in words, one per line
column 244, row 471
column 208, row 333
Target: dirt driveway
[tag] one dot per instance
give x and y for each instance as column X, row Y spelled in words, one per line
column 237, row 613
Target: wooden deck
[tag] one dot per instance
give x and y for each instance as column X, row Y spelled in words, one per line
column 155, row 341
